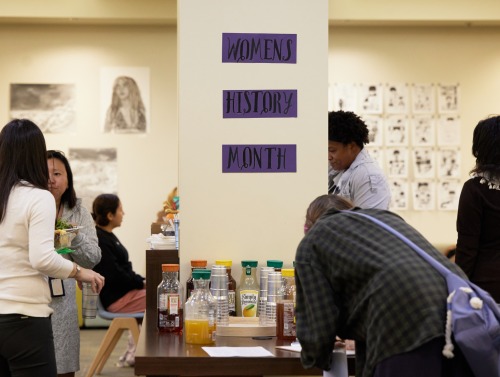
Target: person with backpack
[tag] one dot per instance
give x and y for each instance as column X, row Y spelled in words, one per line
column 356, row 281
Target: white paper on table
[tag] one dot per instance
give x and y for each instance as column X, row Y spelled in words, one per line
column 237, row 351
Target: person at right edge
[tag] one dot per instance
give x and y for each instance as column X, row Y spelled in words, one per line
column 355, row 280
column 478, row 216
column 353, row 174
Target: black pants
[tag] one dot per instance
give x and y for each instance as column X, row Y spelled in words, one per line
column 427, row 360
column 26, row 346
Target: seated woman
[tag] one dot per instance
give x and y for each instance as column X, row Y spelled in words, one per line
column 125, row 290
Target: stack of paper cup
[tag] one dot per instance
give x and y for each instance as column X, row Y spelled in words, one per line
column 274, row 292
column 263, row 293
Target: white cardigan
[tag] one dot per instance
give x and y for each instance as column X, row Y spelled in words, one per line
column 27, row 254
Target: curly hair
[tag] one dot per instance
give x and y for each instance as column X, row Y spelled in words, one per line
column 346, row 127
column 485, row 146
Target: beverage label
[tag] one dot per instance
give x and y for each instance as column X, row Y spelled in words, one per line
column 163, row 301
column 249, row 302
column 231, row 300
column 289, row 319
column 173, row 303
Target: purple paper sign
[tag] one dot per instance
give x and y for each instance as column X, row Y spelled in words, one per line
column 259, row 48
column 259, row 158
column 259, row 103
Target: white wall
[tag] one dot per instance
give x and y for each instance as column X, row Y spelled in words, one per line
column 147, row 164
column 242, row 216
column 465, row 55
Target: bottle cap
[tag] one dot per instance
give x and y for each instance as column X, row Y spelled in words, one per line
column 275, row 263
column 249, row 263
column 224, row 262
column 170, row 267
column 198, row 263
column 288, row 272
column 201, row 274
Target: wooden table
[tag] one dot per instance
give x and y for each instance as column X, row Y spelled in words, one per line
column 168, row 355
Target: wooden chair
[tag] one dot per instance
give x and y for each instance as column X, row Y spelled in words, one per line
column 119, row 323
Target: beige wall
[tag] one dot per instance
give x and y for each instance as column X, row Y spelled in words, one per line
column 243, row 216
column 465, row 55
column 67, row 52
column 147, row 164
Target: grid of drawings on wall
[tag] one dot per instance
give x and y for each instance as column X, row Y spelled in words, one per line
column 414, row 136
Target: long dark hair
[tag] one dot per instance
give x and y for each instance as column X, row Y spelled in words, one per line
column 485, row 147
column 104, row 204
column 22, row 157
column 69, row 195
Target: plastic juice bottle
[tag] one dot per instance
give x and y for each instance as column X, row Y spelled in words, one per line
column 169, row 300
column 201, row 311
column 196, row 263
column 247, row 295
column 231, row 288
column 285, row 309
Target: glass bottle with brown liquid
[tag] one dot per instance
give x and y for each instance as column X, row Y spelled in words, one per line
column 170, row 300
column 195, row 263
column 285, row 309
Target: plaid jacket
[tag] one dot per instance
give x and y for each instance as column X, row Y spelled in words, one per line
column 356, row 281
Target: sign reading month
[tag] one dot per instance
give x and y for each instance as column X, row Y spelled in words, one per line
column 259, row 158
column 259, row 48
column 259, row 103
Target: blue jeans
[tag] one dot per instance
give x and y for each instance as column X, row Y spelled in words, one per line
column 26, row 346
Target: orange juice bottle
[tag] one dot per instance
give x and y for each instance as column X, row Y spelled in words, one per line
column 200, row 311
column 198, row 331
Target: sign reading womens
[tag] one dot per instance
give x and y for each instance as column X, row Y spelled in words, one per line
column 259, row 103
column 259, row 48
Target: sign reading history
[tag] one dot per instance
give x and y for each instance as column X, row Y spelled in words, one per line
column 259, row 103
column 259, row 48
column 259, row 158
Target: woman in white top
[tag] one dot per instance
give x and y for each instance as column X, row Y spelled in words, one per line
column 27, row 255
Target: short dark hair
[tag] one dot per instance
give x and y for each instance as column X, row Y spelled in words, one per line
column 485, row 146
column 346, row 127
column 104, row 204
column 321, row 205
column 69, row 195
column 22, row 157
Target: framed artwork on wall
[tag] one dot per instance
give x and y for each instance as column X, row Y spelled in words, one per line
column 94, row 172
column 125, row 100
column 50, row 106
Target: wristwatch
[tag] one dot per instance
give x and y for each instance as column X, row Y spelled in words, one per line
column 78, row 270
